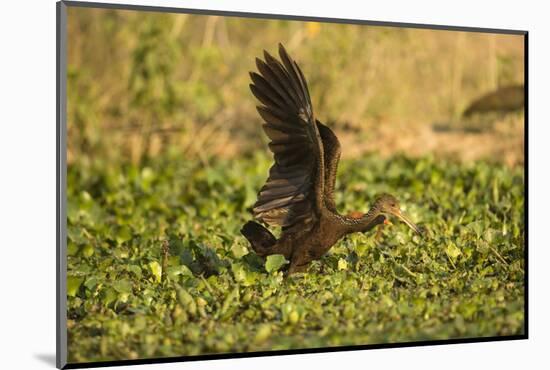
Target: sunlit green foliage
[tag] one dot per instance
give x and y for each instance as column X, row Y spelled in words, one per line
column 131, row 297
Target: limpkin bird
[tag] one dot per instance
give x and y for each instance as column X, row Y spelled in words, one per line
column 299, row 193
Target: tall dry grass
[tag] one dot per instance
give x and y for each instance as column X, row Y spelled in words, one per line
column 141, row 83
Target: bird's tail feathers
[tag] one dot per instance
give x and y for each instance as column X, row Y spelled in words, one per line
column 260, row 238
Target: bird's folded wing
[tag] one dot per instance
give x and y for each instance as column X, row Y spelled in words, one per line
column 293, row 192
column 332, row 150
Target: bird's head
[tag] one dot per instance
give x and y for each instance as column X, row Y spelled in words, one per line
column 387, row 205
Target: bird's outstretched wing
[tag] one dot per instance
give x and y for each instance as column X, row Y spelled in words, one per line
column 294, row 190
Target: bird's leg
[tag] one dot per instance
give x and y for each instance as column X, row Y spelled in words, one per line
column 378, row 235
column 282, row 246
column 297, row 268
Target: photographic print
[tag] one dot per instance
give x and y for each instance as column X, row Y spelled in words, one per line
column 242, row 185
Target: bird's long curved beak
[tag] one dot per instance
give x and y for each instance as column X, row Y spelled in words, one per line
column 406, row 220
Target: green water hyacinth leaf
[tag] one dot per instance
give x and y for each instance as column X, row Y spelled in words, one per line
column 187, row 302
column 453, row 251
column 91, row 282
column 274, row 262
column 342, row 264
column 242, row 275
column 135, row 269
column 476, row 227
column 263, row 333
column 123, row 235
column 175, row 271
column 109, row 295
column 73, row 284
column 239, row 250
column 87, row 250
column 123, row 286
column 156, row 270
column 229, row 302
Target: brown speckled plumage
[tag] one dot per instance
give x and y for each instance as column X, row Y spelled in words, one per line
column 299, row 192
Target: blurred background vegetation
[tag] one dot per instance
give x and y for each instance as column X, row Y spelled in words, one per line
column 143, row 83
